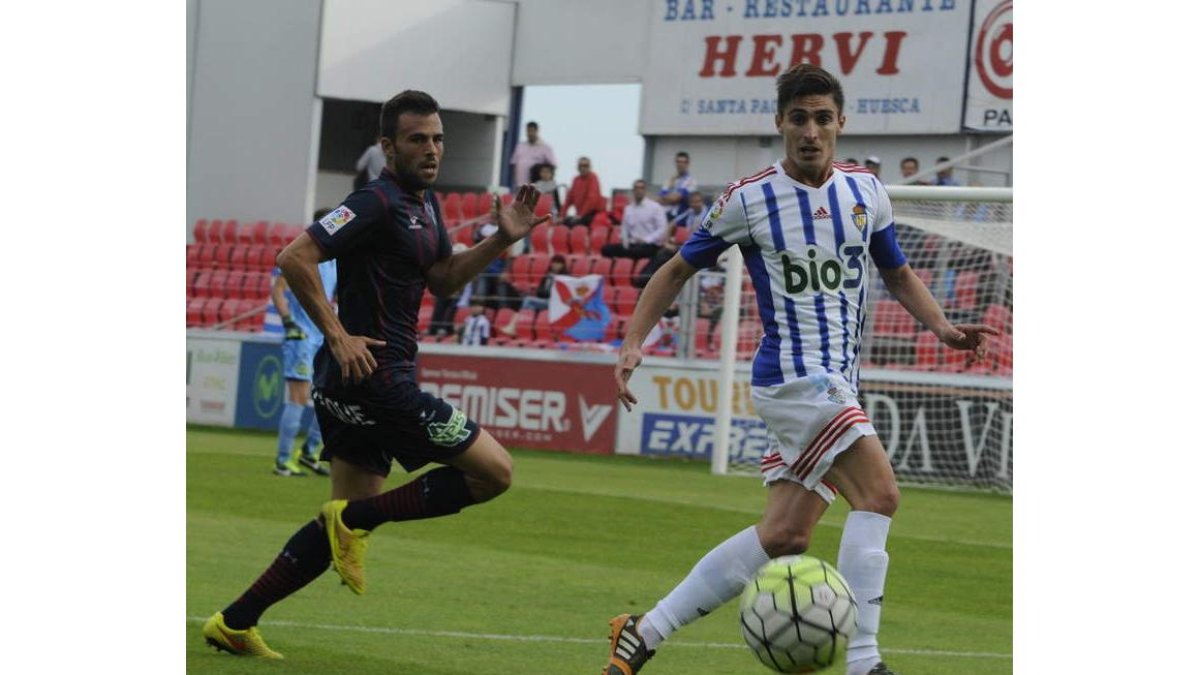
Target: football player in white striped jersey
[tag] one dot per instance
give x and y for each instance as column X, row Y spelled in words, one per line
column 805, row 227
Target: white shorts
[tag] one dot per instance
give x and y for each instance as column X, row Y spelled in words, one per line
column 810, row 421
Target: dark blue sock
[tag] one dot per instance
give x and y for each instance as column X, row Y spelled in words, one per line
column 304, row 557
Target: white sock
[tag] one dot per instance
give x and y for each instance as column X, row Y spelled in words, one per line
column 864, row 562
column 718, row 578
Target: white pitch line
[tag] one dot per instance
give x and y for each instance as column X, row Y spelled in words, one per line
column 572, row 640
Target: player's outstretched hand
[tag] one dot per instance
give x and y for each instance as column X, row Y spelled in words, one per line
column 353, row 354
column 968, row 336
column 517, row 219
column 628, row 359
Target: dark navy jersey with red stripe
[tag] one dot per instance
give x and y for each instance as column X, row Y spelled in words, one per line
column 383, row 238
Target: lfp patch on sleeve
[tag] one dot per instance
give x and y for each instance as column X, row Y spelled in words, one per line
column 335, row 219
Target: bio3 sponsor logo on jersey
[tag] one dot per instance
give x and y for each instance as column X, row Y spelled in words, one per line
column 809, row 272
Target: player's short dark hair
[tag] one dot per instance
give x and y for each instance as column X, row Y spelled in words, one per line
column 805, row 79
column 942, row 159
column 683, row 155
column 531, row 123
column 558, row 257
column 640, row 180
column 910, row 159
column 407, row 101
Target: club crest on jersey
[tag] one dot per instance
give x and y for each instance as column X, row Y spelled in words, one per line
column 415, row 223
column 859, row 215
column 336, row 219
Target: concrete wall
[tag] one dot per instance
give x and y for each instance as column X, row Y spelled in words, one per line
column 251, row 111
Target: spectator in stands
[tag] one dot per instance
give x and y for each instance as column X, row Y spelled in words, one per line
column 691, row 218
column 674, row 195
column 945, row 176
column 644, row 228
column 532, row 152
column 909, row 166
column 301, row 340
column 477, row 329
column 545, row 184
column 540, row 300
column 370, row 165
column 873, row 165
column 851, row 161
column 584, row 195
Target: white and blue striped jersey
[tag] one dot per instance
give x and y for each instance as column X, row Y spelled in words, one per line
column 806, row 253
column 273, row 324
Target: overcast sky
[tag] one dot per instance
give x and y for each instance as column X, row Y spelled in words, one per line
column 597, row 121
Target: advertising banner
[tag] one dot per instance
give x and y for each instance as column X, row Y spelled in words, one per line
column 712, row 65
column 212, row 371
column 551, row 405
column 932, row 432
column 261, row 387
column 989, row 77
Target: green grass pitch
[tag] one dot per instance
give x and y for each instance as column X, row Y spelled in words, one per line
column 527, row 583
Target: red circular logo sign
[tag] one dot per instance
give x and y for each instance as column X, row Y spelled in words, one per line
column 994, row 51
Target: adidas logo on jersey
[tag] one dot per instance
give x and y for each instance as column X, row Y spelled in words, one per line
column 821, row 213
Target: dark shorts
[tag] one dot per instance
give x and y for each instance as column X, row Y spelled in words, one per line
column 423, row 429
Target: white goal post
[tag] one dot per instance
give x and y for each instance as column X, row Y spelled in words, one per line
column 944, row 417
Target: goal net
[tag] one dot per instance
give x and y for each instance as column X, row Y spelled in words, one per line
column 944, row 416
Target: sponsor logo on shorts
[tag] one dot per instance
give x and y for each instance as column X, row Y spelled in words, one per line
column 836, row 395
column 346, row 412
column 336, row 219
column 451, row 432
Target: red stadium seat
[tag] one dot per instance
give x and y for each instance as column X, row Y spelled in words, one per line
column 681, row 235
column 998, row 317
column 277, row 235
column 209, row 311
column 239, row 257
column 229, row 232
column 700, row 337
column 222, row 255
column 543, row 331
column 625, row 300
column 954, row 360
column 966, row 290
column 578, row 240
column 539, row 239
column 219, row 283
column 749, row 334
column 578, row 265
column 234, row 283
column 622, row 272
column 452, row 209
column 518, row 273
column 927, row 351
column 558, row 239
column 601, row 220
column 544, row 205
column 538, row 264
column 253, row 322
column 193, row 255
column 259, row 232
column 200, row 231
column 603, row 267
column 257, row 286
column 638, row 266
column 202, row 286
column 1002, row 350
column 195, row 309
column 891, row 319
column 598, row 237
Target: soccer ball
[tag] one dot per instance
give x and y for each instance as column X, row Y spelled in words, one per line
column 798, row 614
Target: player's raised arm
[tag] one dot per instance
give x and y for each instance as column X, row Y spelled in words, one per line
column 658, row 295
column 514, row 222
